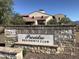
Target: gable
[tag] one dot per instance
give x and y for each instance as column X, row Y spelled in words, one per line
column 38, row 14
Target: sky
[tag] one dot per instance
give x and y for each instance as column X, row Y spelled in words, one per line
column 70, row 8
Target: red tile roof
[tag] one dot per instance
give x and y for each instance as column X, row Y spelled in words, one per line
column 34, row 18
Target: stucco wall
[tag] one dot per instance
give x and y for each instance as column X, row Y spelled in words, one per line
column 37, row 14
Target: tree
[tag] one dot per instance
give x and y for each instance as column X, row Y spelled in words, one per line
column 52, row 21
column 24, row 51
column 65, row 20
column 5, row 12
column 17, row 20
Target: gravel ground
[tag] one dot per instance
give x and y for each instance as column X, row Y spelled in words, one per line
column 47, row 56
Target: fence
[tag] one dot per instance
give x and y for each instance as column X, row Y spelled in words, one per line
column 40, row 29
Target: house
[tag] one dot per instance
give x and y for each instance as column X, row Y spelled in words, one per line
column 40, row 17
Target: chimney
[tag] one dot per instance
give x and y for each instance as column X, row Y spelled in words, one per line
column 42, row 11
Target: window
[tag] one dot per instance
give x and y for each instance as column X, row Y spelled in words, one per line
column 41, row 16
column 53, row 17
column 59, row 18
column 32, row 17
column 27, row 16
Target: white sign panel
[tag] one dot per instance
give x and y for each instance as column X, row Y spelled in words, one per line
column 10, row 33
column 36, row 39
